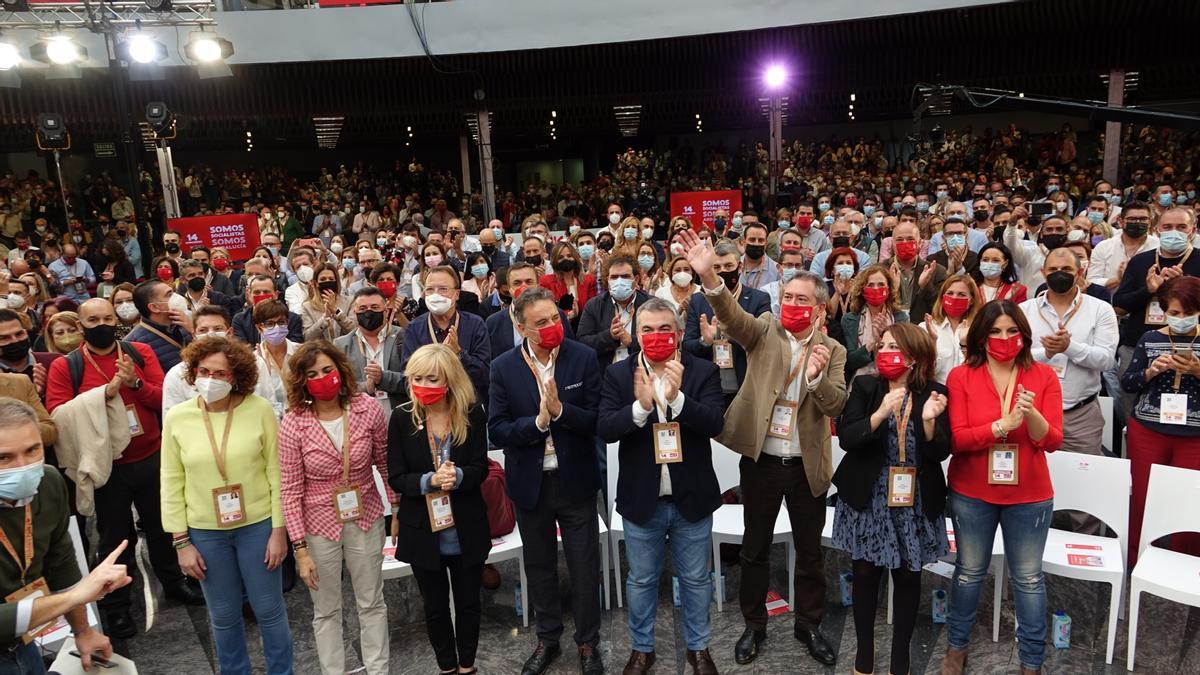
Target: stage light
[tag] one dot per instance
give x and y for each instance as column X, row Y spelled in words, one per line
column 10, row 56
column 208, row 48
column 144, row 49
column 775, row 76
column 61, row 50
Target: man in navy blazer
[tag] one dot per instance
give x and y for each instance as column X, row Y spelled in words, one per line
column 542, row 411
column 501, row 330
column 463, row 332
column 666, row 486
column 699, row 335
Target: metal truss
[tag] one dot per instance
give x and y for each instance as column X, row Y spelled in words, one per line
column 90, row 15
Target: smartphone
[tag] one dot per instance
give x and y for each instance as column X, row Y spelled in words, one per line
column 1184, row 352
column 97, row 660
column 1040, row 209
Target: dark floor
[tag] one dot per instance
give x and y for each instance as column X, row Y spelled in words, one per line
column 178, row 640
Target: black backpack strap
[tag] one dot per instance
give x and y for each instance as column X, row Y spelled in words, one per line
column 134, row 355
column 75, row 368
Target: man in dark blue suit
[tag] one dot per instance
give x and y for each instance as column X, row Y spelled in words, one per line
column 542, row 411
column 665, row 412
column 502, row 331
column 463, row 332
column 703, row 337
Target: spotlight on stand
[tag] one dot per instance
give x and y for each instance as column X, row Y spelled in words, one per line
column 775, row 76
column 160, row 119
column 51, row 133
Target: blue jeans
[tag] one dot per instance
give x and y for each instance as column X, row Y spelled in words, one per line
column 691, row 546
column 1024, row 528
column 234, row 561
column 24, row 660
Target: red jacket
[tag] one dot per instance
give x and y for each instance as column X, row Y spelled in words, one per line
column 585, row 289
column 974, row 404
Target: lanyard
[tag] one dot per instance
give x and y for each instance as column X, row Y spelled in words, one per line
column 24, row 566
column 902, row 416
column 1186, row 254
column 432, row 335
column 382, row 337
column 87, row 355
column 1006, row 404
column 270, row 358
column 345, row 448
column 533, row 368
column 436, row 447
column 787, row 385
column 1192, row 346
column 170, row 340
column 1076, row 303
column 218, row 452
column 663, row 409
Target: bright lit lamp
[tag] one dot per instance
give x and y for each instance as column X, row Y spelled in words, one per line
column 208, row 48
column 143, row 48
column 775, row 76
column 10, row 56
column 61, row 50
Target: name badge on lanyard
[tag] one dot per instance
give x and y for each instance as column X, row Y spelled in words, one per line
column 668, row 448
column 227, row 501
column 1155, row 314
column 902, row 480
column 783, row 412
column 722, row 353
column 441, row 516
column 1004, row 458
column 347, row 500
column 1172, row 409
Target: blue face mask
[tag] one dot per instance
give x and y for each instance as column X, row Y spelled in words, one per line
column 499, row 234
column 784, row 223
column 1173, row 241
column 1165, row 199
column 630, row 233
column 1051, row 189
column 844, row 270
column 1191, row 194
column 827, row 220
column 956, row 241
column 737, row 221
column 348, row 264
column 990, row 270
column 878, row 222
column 586, row 251
column 787, row 273
column 868, row 211
column 1183, row 325
column 941, row 194
column 823, row 206
column 645, row 262
column 1181, row 199
column 922, row 206
column 479, row 271
column 1095, row 217
column 621, row 289
column 20, row 483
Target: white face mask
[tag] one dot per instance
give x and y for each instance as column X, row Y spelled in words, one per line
column 438, row 304
column 647, row 233
column 127, row 311
column 15, row 301
column 304, row 274
column 176, row 303
column 212, row 389
column 614, row 218
column 682, row 279
column 336, row 247
column 410, row 242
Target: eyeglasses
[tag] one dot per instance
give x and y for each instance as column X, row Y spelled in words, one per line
column 215, row 374
column 282, row 323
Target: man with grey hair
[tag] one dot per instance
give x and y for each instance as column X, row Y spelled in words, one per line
column 664, row 408
column 34, row 510
column 703, row 336
column 542, row 407
column 196, row 290
column 789, row 459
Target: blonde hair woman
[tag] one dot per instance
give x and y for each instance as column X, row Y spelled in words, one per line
column 630, row 238
column 959, row 301
column 61, row 333
column 437, row 460
column 678, row 284
column 326, row 315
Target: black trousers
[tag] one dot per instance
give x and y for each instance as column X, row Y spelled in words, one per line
column 764, row 484
column 454, row 645
column 133, row 484
column 575, row 516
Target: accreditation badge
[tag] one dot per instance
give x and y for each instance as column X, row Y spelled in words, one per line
column 37, row 589
column 722, row 353
column 1003, row 464
column 347, row 504
column 902, row 485
column 668, row 445
column 441, row 517
column 783, row 417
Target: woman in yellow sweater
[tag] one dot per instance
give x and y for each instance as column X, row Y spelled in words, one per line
column 220, row 498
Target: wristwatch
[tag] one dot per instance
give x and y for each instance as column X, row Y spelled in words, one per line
column 137, row 384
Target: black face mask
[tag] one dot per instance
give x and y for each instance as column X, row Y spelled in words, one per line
column 604, row 245
column 172, row 248
column 327, row 286
column 15, row 351
column 370, row 319
column 1060, row 282
column 1134, row 230
column 535, row 260
column 719, row 224
column 884, row 234
column 566, row 266
column 981, row 216
column 505, row 298
column 101, row 337
column 1053, row 241
column 730, row 278
column 196, row 284
column 755, row 251
column 841, row 241
column 488, row 249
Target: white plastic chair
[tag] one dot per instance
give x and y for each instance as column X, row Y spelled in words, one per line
column 616, row 524
column 1106, row 411
column 1170, row 507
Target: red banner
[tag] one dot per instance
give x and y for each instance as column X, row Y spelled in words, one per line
column 356, row 3
column 236, row 233
column 699, row 207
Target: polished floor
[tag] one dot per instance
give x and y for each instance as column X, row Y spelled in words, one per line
column 177, row 640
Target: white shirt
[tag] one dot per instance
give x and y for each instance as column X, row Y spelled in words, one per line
column 544, row 373
column 175, row 389
column 642, row 415
column 949, row 352
column 1027, row 257
column 791, row 448
column 664, row 292
column 295, row 295
column 270, row 381
column 1093, row 348
column 1108, row 256
column 333, row 429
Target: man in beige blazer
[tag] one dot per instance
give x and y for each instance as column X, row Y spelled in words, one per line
column 779, row 423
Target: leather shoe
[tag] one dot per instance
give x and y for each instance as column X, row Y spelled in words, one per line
column 639, row 663
column 185, row 593
column 541, row 658
column 589, row 661
column 746, row 649
column 120, row 625
column 954, row 662
column 701, row 662
column 818, row 646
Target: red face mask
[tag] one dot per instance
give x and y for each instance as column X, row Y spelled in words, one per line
column 851, row 201
column 164, row 274
column 386, row 288
column 906, row 250
column 955, row 307
column 804, row 222
column 1005, row 349
column 876, row 296
column 260, row 297
column 658, row 347
column 326, row 387
column 891, row 365
column 517, row 291
column 220, row 264
column 428, row 395
column 796, row 318
column 550, row 337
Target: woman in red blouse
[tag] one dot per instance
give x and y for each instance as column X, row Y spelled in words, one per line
column 329, row 440
column 569, row 279
column 1005, row 413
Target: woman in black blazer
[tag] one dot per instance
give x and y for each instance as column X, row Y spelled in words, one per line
column 442, row 419
column 891, row 490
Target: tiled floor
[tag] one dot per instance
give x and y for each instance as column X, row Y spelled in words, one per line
column 178, row 642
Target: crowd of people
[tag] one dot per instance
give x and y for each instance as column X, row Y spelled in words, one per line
column 243, row 407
